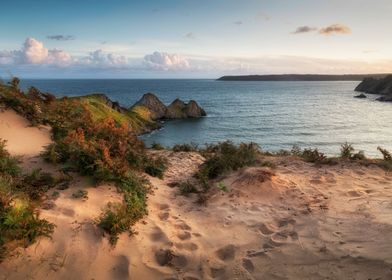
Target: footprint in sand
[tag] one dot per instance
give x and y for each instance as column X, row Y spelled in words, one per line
column 121, row 269
column 271, row 244
column 226, row 253
column 354, row 193
column 163, row 216
column 264, row 229
column 248, row 264
column 189, row 246
column 157, row 235
column 182, row 225
column 283, row 236
column 184, row 235
column 286, row 221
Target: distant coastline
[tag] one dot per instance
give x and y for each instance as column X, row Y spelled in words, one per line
column 301, row 77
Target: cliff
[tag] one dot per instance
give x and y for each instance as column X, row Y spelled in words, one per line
column 382, row 86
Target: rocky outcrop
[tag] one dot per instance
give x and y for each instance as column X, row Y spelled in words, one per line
column 377, row 86
column 193, row 110
column 153, row 104
column 178, row 109
column 112, row 104
column 360, row 96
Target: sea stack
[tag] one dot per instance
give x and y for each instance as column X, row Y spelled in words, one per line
column 178, row 109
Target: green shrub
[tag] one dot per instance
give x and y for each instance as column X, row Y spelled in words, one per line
column 313, row 155
column 20, row 224
column 346, row 151
column 186, row 187
column 192, row 147
column 35, row 184
column 227, row 156
column 8, row 164
column 118, row 218
column 156, row 167
column 157, row 146
column 385, row 153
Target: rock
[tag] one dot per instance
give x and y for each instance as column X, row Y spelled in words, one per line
column 386, row 98
column 176, row 110
column 360, row 96
column 377, row 86
column 193, row 110
column 155, row 106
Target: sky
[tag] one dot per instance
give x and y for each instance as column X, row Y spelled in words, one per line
column 193, row 38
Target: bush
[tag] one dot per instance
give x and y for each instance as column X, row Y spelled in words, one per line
column 227, row 156
column 187, row 187
column 35, row 184
column 385, row 153
column 346, row 151
column 192, row 147
column 157, row 146
column 313, row 155
column 118, row 218
column 156, row 167
column 19, row 220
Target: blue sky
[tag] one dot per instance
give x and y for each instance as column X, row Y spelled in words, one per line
column 193, row 38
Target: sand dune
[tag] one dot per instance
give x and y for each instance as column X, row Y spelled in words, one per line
column 298, row 221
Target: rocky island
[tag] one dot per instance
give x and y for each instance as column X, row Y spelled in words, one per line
column 381, row 86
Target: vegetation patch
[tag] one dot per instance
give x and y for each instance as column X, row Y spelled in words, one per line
column 93, row 139
column 20, row 224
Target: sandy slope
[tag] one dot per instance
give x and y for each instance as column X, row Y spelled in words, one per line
column 304, row 222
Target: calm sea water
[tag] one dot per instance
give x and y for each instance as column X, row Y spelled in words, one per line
column 275, row 115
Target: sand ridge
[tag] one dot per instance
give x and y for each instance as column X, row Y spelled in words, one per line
column 298, row 221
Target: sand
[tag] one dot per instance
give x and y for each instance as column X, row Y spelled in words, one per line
column 298, row 221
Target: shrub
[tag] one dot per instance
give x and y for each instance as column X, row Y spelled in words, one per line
column 385, row 153
column 156, row 167
column 192, row 147
column 118, row 218
column 227, row 156
column 20, row 224
column 186, row 187
column 313, row 155
column 358, row 156
column 35, row 184
column 157, row 146
column 346, row 151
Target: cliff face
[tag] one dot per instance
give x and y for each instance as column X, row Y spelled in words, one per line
column 377, row 86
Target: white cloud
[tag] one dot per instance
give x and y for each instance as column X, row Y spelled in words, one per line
column 34, row 52
column 166, row 62
column 102, row 59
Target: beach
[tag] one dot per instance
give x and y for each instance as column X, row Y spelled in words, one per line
column 296, row 221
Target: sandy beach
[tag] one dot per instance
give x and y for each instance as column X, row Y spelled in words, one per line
column 297, row 221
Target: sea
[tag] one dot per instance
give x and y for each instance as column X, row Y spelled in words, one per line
column 276, row 115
